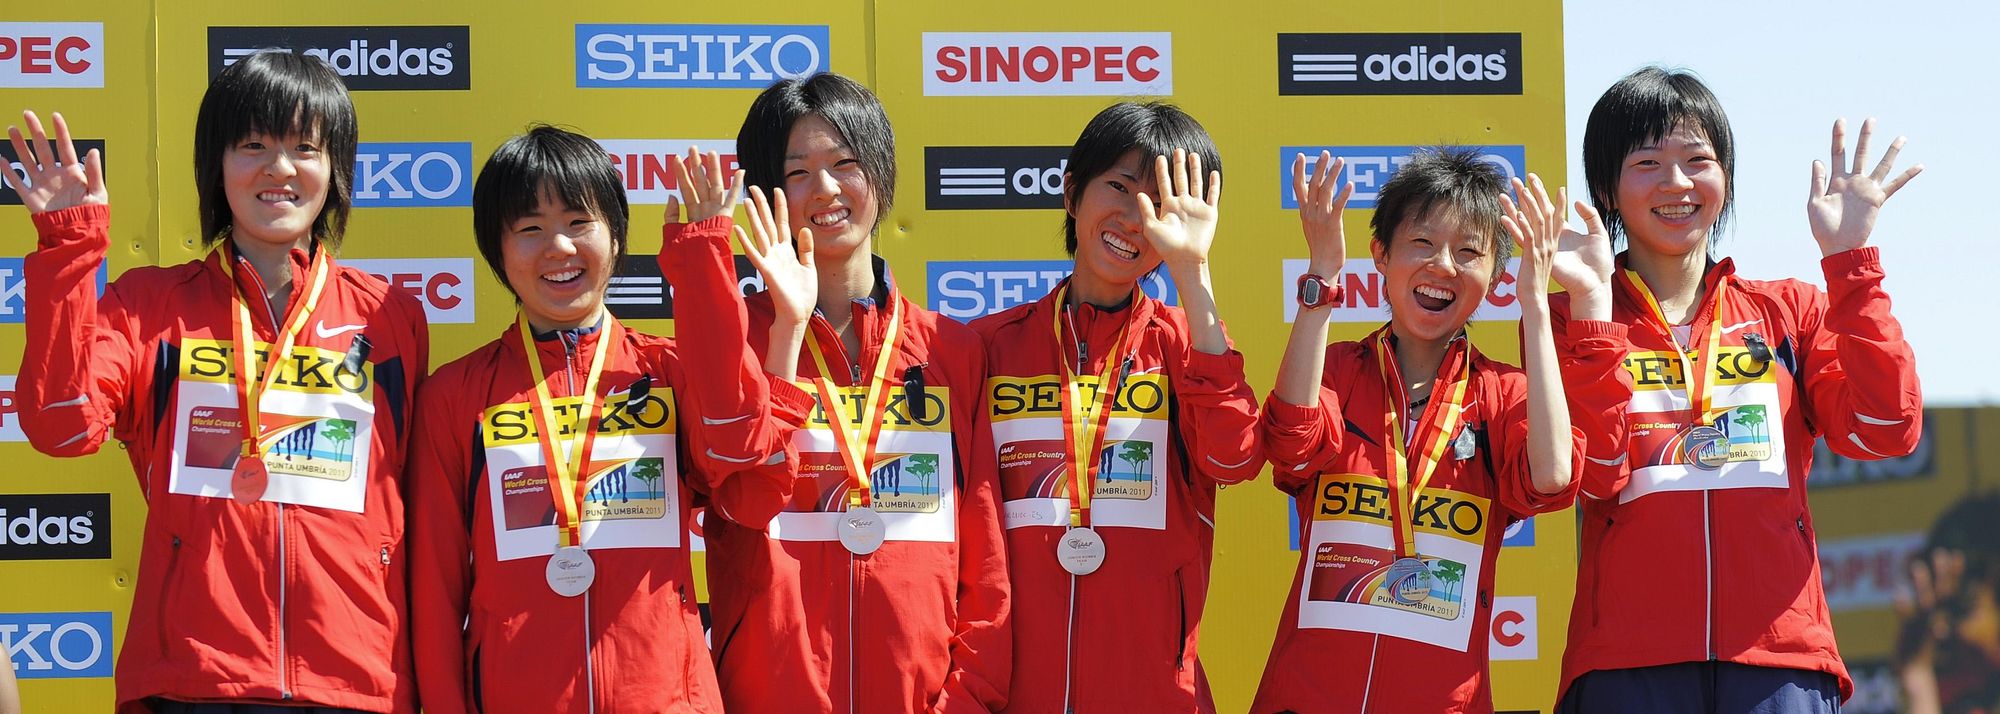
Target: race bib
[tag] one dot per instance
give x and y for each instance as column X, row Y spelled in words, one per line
column 1354, row 581
column 1668, row 451
column 911, row 480
column 1129, row 488
column 633, row 476
column 318, row 421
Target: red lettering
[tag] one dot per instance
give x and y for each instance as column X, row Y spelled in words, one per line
column 35, row 55
column 655, row 172
column 626, row 169
column 951, row 64
column 1047, row 60
column 1002, row 63
column 8, row 47
column 1505, row 621
column 1132, row 64
column 1495, row 298
column 1363, row 290
column 1073, row 59
column 7, row 407
column 66, row 55
column 1107, row 63
column 434, row 291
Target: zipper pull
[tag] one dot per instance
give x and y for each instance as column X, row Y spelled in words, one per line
column 1082, row 355
column 856, row 369
column 385, row 555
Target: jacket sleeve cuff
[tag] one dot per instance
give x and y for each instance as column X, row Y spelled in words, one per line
column 706, row 229
column 789, row 402
column 1212, row 374
column 1844, row 264
column 1578, row 330
column 74, row 224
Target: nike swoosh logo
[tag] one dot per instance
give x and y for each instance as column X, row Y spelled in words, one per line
column 326, row 334
column 705, row 421
column 1739, row 326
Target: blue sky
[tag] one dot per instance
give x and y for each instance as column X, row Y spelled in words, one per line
column 1784, row 72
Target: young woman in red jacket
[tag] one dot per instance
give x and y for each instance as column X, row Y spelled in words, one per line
column 556, row 466
column 1115, row 417
column 1408, row 453
column 1699, row 585
column 271, row 568
column 882, row 587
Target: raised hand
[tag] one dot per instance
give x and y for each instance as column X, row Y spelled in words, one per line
column 1320, row 209
column 1844, row 202
column 787, row 267
column 702, row 188
column 1183, row 226
column 56, row 179
column 1536, row 224
column 1583, row 261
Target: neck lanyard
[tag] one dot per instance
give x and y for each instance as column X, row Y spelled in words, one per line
column 857, row 447
column 1083, row 425
column 1441, row 418
column 567, row 468
column 1700, row 373
column 249, row 390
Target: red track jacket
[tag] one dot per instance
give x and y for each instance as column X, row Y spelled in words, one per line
column 1684, row 564
column 489, row 633
column 299, row 597
column 1337, row 652
column 1184, row 423
column 800, row 624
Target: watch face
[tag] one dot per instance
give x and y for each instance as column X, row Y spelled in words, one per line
column 1311, row 293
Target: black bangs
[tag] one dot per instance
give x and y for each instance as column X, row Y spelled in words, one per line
column 546, row 162
column 1151, row 128
column 279, row 94
column 1640, row 110
column 853, row 111
column 1451, row 182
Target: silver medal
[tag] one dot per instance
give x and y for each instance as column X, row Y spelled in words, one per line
column 1080, row 550
column 1409, row 581
column 861, row 530
column 1707, row 447
column 570, row 571
column 1465, row 446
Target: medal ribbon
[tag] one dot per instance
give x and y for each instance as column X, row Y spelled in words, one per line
column 1699, row 374
column 568, row 482
column 1440, row 421
column 857, row 448
column 1083, row 428
column 250, row 391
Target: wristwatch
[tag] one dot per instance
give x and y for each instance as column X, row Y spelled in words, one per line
column 1316, row 292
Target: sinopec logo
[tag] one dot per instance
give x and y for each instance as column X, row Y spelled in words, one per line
column 404, row 174
column 646, row 165
column 1366, row 298
column 699, row 56
column 17, row 175
column 57, row 645
column 14, row 289
column 1048, row 63
column 972, row 177
column 55, row 526
column 367, row 58
column 443, row 285
column 44, row 55
column 1392, row 63
column 1369, row 167
column 967, row 289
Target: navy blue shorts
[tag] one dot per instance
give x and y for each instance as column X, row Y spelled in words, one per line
column 1703, row 688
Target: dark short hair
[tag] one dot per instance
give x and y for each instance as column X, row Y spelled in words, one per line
column 569, row 166
column 1451, row 182
column 275, row 93
column 1152, row 128
column 1639, row 110
column 1967, row 527
column 849, row 107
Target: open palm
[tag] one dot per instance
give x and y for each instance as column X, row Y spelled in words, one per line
column 788, row 269
column 1183, row 226
column 56, row 179
column 1844, row 201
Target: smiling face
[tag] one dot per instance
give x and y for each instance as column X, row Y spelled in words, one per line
column 827, row 190
column 558, row 262
column 276, row 187
column 1671, row 191
column 1435, row 275
column 1111, row 246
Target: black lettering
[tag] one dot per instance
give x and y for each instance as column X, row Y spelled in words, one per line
column 653, row 412
column 1333, row 498
column 1007, row 399
column 510, row 425
column 1144, row 397
column 1426, row 515
column 208, row 361
column 1459, row 510
column 1371, row 501
column 1747, row 366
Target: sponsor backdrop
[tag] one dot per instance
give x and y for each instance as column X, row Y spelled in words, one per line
column 985, row 107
